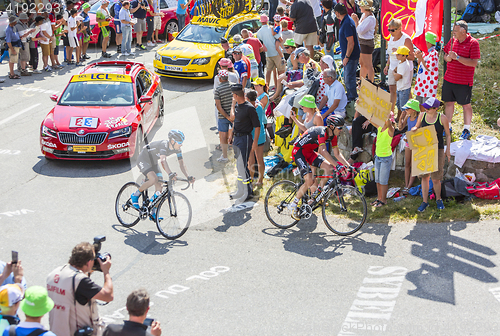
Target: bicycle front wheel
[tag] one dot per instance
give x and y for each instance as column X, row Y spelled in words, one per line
column 127, row 215
column 276, row 204
column 344, row 212
column 173, row 215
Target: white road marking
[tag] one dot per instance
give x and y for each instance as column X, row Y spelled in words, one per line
column 15, row 115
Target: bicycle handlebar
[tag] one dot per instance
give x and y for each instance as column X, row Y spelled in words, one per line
column 172, row 181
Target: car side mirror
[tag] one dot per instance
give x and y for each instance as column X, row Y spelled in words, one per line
column 145, row 99
column 54, row 98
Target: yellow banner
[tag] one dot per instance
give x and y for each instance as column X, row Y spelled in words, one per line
column 101, row 77
column 209, row 21
column 424, row 146
column 373, row 103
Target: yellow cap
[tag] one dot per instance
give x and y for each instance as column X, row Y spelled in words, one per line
column 403, row 50
column 259, row 81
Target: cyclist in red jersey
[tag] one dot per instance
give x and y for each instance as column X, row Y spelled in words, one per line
column 310, row 149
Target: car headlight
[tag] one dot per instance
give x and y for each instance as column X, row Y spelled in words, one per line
column 157, row 57
column 201, row 61
column 122, row 132
column 48, row 132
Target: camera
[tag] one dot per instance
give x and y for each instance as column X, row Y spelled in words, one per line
column 84, row 331
column 98, row 255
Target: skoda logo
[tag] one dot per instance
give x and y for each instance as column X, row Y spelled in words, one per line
column 81, row 132
column 174, row 57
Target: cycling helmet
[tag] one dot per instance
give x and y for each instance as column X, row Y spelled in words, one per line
column 335, row 121
column 177, row 135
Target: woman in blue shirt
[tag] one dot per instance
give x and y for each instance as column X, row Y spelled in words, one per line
column 260, row 99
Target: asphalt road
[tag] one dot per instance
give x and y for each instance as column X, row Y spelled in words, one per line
column 233, row 273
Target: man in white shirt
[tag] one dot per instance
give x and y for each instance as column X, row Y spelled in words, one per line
column 46, row 43
column 335, row 99
column 72, row 38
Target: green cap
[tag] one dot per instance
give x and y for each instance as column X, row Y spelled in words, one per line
column 413, row 104
column 36, row 302
column 431, row 37
column 290, row 43
column 308, row 101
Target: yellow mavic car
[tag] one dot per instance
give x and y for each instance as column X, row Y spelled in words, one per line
column 196, row 50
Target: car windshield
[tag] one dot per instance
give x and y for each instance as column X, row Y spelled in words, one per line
column 96, row 6
column 201, row 34
column 98, row 93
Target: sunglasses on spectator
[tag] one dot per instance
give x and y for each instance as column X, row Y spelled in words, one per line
column 393, row 30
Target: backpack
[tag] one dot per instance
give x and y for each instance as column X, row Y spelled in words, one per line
column 450, row 190
column 473, row 12
column 486, row 190
column 36, row 332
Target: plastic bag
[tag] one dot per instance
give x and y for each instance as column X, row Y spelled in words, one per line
column 468, row 178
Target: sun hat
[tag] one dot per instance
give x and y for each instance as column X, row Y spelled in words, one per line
column 413, row 104
column 277, row 18
column 13, row 19
column 290, row 43
column 23, row 16
column 308, row 101
column 367, row 4
column 431, row 103
column 237, row 49
column 299, row 51
column 328, row 60
column 10, row 294
column 85, row 5
column 223, row 73
column 36, row 302
column 259, row 81
column 431, row 37
column 226, row 62
column 402, row 50
column 264, row 18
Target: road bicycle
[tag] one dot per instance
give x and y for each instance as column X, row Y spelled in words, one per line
column 343, row 207
column 171, row 211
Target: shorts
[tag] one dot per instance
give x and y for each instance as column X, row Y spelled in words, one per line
column 382, row 169
column 47, row 49
column 275, row 62
column 310, row 39
column 24, row 54
column 438, row 175
column 390, row 77
column 421, row 99
column 53, row 43
column 145, row 166
column 65, row 40
column 402, row 97
column 305, row 158
column 140, row 26
column 157, row 22
column 14, row 58
column 73, row 41
column 365, row 49
column 56, row 50
column 223, row 125
column 105, row 32
column 460, row 93
column 118, row 26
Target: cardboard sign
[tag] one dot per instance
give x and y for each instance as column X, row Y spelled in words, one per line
column 373, row 103
column 424, row 145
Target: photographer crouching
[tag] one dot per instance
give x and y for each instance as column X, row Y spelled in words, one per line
column 75, row 294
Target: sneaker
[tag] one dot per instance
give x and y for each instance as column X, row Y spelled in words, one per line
column 47, row 68
column 119, row 49
column 36, row 71
column 70, row 62
column 222, row 159
column 61, row 66
column 158, row 41
column 78, row 63
column 25, row 73
column 440, row 205
column 423, row 206
column 465, row 135
column 106, row 55
column 126, row 54
column 150, row 44
column 135, row 201
column 131, row 54
column 86, row 56
column 295, row 211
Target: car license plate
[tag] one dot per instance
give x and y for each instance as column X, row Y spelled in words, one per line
column 172, row 68
column 84, row 149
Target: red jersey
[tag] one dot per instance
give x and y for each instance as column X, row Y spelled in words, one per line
column 311, row 139
column 256, row 45
column 456, row 72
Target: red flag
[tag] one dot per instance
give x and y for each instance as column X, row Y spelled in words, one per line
column 428, row 17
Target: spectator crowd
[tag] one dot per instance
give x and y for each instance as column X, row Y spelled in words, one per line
column 69, row 299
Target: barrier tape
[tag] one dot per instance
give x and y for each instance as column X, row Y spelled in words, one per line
column 487, row 37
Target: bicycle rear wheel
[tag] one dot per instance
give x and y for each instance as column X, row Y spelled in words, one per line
column 344, row 212
column 276, row 203
column 173, row 215
column 127, row 215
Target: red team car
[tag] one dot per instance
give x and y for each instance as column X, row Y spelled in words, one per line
column 103, row 113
